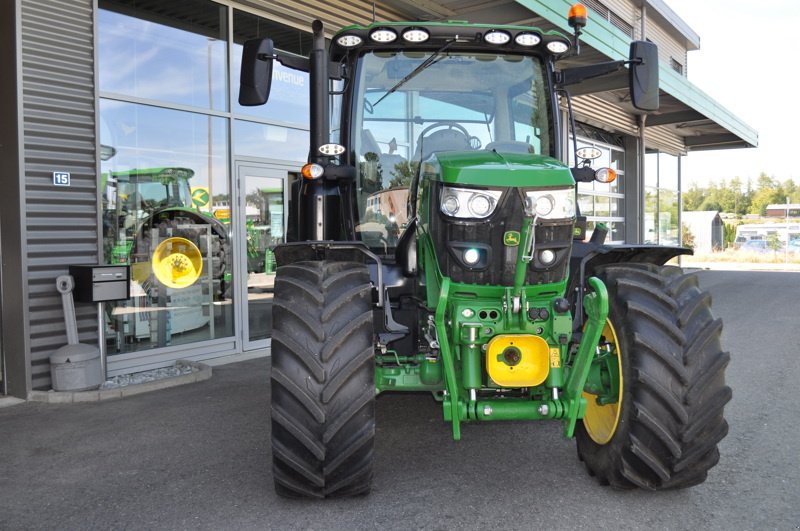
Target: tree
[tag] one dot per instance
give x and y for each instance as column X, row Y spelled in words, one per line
column 729, row 196
column 712, row 198
column 693, row 197
column 728, row 234
column 773, row 242
column 768, row 191
column 403, row 173
column 687, row 238
column 791, row 191
column 741, row 201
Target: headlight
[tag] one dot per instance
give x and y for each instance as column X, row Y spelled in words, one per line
column 551, row 204
column 467, row 203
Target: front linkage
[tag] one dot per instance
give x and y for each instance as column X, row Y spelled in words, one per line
column 461, row 403
column 532, row 370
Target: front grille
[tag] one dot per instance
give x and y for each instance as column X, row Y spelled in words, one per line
column 450, row 235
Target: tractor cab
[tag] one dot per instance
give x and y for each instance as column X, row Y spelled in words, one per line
column 409, row 107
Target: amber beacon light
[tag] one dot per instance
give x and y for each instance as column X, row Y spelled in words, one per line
column 577, row 16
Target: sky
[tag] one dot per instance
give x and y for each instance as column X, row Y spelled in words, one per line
column 748, row 62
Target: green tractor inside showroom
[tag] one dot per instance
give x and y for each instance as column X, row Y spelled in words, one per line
column 435, row 245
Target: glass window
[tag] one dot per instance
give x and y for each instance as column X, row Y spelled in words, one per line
column 174, row 53
column 530, row 117
column 165, row 212
column 667, row 171
column 651, row 169
column 668, row 233
column 603, row 202
column 616, row 232
column 617, row 206
column 270, row 141
column 586, row 204
column 618, row 165
column 167, row 204
column 412, row 108
column 661, row 198
column 602, row 206
column 650, row 215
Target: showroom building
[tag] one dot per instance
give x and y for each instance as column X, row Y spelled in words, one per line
column 120, row 131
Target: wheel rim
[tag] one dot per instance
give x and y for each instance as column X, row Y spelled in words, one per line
column 601, row 421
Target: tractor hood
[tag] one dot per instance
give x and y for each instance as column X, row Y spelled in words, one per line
column 490, row 168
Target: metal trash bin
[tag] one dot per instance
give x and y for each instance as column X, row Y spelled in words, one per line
column 75, row 366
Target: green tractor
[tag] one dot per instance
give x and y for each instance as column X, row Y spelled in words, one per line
column 434, row 246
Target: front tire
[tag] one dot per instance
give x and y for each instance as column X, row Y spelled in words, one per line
column 670, row 417
column 323, row 391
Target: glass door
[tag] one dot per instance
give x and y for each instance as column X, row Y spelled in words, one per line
column 262, row 218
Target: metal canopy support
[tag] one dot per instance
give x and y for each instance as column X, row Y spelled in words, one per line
column 677, row 117
column 696, row 143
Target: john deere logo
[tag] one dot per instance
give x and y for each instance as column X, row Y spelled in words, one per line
column 200, row 196
column 511, row 238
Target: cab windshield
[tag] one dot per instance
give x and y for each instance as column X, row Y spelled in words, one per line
column 409, row 105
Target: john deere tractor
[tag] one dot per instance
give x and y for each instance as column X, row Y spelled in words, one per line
column 435, row 246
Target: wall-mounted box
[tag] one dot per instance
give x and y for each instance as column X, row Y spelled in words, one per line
column 101, row 283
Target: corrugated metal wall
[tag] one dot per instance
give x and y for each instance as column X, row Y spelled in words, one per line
column 59, row 117
column 664, row 139
column 598, row 112
column 668, row 46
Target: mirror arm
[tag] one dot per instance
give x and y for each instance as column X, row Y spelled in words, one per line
column 571, row 76
column 292, row 61
column 335, row 69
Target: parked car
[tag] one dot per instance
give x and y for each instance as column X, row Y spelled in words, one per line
column 756, row 246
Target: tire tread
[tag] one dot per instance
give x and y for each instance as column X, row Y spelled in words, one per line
column 675, row 392
column 323, row 393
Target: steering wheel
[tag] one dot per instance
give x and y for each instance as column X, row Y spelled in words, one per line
column 448, row 124
column 454, row 137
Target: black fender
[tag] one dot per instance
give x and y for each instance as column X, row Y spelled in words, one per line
column 588, row 256
column 312, row 250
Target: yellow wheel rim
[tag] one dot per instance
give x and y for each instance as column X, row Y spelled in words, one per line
column 601, row 421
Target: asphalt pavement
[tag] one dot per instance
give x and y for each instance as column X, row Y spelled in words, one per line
column 197, row 456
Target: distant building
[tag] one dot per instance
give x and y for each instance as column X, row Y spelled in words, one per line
column 779, row 211
column 707, row 228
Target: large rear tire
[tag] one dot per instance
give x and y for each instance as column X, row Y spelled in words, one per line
column 664, row 432
column 323, row 391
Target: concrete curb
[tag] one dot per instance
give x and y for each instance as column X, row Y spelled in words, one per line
column 69, row 397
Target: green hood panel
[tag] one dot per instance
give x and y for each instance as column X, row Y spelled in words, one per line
column 488, row 168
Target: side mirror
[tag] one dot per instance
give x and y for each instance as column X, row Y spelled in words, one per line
column 644, row 75
column 256, row 75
